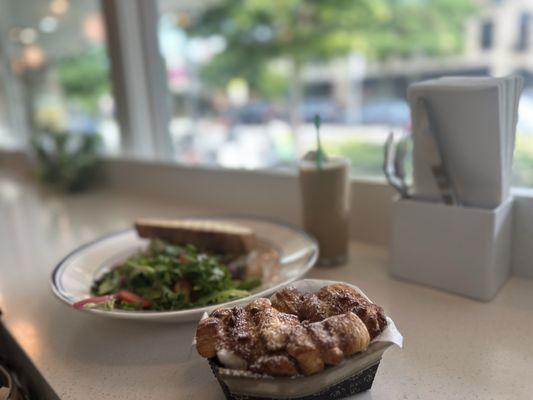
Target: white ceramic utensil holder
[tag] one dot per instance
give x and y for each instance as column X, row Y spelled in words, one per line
column 464, row 250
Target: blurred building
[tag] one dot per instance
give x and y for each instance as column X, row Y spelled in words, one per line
column 498, row 41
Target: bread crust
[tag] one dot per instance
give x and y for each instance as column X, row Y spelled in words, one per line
column 211, row 236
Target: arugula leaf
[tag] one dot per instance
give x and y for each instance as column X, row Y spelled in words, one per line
column 222, row 297
column 160, row 272
column 249, row 284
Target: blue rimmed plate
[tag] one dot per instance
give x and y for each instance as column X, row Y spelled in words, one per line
column 295, row 253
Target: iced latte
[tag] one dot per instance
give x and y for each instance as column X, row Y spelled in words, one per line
column 325, row 196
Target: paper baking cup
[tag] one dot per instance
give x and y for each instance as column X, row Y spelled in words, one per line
column 354, row 375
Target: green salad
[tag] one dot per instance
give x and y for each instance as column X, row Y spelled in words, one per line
column 168, row 277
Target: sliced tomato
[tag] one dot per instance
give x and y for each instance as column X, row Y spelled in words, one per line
column 130, row 297
column 94, row 300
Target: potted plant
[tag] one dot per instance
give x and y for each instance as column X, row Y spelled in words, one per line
column 65, row 160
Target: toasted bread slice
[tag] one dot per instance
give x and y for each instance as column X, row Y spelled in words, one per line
column 206, row 235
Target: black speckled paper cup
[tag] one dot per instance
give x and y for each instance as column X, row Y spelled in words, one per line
column 353, row 375
column 357, row 383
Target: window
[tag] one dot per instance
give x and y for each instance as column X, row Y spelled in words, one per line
column 523, row 32
column 246, row 77
column 240, row 99
column 55, row 70
column 487, row 29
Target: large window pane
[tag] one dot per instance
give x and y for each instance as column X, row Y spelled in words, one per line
column 55, row 69
column 247, row 77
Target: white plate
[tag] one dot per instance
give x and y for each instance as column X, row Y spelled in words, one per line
column 73, row 276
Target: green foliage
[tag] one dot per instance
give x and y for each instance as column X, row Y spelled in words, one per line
column 366, row 157
column 84, row 78
column 66, row 161
column 409, row 27
column 320, row 155
column 259, row 31
column 270, row 84
column 261, row 77
column 161, row 273
column 249, row 284
column 523, row 161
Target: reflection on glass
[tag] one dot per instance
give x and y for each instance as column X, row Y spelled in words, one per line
column 247, row 77
column 55, row 68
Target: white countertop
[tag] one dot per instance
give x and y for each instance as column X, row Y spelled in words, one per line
column 455, row 348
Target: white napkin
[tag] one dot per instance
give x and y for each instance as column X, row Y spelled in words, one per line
column 474, row 119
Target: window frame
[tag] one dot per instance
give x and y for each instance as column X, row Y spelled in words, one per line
column 16, row 115
column 138, row 74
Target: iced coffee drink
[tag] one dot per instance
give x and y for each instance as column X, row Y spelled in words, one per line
column 325, row 196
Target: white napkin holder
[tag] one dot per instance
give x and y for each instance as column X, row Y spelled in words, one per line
column 464, row 250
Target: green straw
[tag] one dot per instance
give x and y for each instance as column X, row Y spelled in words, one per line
column 319, row 151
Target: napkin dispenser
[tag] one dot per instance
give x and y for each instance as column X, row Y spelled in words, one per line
column 464, row 250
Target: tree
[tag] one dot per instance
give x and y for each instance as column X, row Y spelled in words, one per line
column 84, row 78
column 302, row 31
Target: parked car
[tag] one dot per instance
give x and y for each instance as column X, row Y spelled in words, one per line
column 327, row 108
column 257, row 112
column 393, row 112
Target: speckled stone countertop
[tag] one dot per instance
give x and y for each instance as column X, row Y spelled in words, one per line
column 455, row 348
